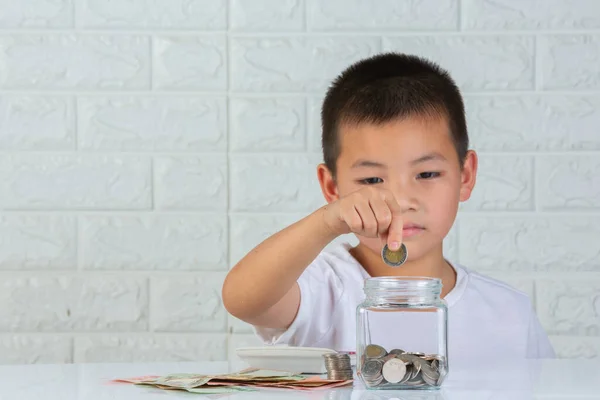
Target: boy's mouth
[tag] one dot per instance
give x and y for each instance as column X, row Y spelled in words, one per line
column 409, row 230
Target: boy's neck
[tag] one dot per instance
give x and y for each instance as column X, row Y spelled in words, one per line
column 431, row 265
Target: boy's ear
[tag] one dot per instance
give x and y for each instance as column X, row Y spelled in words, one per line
column 468, row 175
column 328, row 185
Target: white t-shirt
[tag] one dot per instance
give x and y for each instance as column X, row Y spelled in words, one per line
column 486, row 318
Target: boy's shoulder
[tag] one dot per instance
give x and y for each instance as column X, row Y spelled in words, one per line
column 485, row 280
column 491, row 289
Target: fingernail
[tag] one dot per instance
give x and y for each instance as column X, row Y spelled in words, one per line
column 394, row 246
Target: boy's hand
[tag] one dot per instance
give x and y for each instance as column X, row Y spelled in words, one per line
column 369, row 212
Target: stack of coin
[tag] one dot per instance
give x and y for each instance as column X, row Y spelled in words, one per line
column 338, row 366
column 400, row 368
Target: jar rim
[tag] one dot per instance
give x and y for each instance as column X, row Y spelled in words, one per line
column 403, row 278
column 391, row 282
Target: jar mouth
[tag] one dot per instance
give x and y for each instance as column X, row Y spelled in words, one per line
column 403, row 283
column 402, row 280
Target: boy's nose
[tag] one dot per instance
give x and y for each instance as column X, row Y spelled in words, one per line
column 406, row 200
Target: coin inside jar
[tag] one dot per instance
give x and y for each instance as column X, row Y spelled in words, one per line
column 394, row 370
column 397, row 352
column 394, row 258
column 400, row 369
column 372, row 368
column 375, row 351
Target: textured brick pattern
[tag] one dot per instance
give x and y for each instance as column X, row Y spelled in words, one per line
column 74, row 62
column 539, row 122
column 293, row 188
column 544, row 243
column 158, row 14
column 37, row 14
column 150, row 348
column 68, row 304
column 188, row 304
column 147, row 123
column 37, row 122
column 75, row 181
column 389, row 15
column 29, row 349
column 294, row 64
column 495, row 62
column 38, row 242
column 166, row 242
column 146, row 146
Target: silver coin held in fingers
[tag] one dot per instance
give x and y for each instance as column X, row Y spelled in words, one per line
column 394, row 258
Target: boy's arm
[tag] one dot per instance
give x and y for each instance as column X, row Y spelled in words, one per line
column 262, row 288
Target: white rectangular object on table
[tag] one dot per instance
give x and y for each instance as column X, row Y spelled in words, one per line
column 307, row 360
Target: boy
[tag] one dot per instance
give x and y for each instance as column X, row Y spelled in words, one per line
column 396, row 166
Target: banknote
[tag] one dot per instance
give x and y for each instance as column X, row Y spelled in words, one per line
column 245, row 380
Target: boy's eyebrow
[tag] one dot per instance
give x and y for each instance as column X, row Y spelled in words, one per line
column 368, row 163
column 429, row 157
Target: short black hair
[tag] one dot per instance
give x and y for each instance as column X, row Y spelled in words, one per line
column 386, row 87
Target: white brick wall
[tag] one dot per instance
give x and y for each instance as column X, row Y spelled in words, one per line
column 146, row 145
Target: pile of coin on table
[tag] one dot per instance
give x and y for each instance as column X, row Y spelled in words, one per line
column 338, row 366
column 400, row 368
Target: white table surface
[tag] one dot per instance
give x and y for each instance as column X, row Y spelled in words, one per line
column 547, row 379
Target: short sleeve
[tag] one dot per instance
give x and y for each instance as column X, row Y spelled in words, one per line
column 320, row 292
column 538, row 343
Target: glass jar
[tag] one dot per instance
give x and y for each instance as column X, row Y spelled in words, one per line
column 402, row 334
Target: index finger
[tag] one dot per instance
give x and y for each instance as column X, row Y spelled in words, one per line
column 394, row 234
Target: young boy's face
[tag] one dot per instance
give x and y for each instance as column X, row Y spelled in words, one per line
column 416, row 160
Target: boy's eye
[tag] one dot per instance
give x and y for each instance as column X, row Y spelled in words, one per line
column 371, row 181
column 428, row 175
